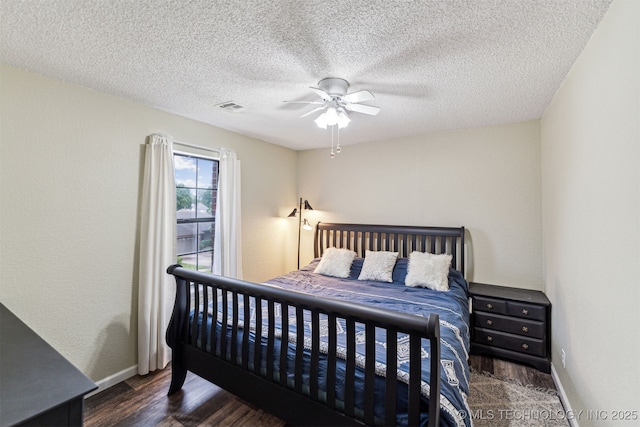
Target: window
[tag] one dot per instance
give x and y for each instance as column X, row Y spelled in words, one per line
column 196, row 192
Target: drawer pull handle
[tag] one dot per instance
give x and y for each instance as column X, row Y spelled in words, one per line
column 489, row 306
column 525, row 346
column 489, row 338
column 489, row 322
column 525, row 329
column 525, row 311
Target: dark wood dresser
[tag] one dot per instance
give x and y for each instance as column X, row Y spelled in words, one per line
column 39, row 387
column 511, row 323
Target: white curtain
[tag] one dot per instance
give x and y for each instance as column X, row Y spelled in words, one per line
column 227, row 247
column 157, row 252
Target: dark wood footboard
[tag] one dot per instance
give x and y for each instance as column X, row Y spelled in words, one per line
column 254, row 366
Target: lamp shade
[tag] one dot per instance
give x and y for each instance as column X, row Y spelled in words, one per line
column 293, row 213
column 343, row 119
column 332, row 116
column 321, row 121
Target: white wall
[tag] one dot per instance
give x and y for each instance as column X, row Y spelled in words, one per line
column 591, row 219
column 486, row 179
column 70, row 176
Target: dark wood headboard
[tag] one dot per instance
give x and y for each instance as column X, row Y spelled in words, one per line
column 397, row 238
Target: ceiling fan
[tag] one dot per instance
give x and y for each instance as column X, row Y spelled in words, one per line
column 336, row 102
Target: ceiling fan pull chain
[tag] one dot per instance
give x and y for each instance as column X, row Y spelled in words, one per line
column 332, row 154
column 338, row 148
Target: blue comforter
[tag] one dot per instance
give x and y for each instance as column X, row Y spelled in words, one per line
column 451, row 306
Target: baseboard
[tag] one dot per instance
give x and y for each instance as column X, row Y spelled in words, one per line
column 114, row 379
column 568, row 410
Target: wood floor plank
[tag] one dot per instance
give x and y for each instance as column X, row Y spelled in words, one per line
column 170, row 422
column 228, row 415
column 159, row 376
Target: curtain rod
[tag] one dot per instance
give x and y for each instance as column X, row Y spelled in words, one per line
column 197, row 147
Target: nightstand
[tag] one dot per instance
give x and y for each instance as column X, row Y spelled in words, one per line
column 511, row 323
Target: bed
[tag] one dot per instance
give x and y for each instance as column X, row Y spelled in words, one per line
column 314, row 349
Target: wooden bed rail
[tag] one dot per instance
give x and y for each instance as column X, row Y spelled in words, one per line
column 254, row 368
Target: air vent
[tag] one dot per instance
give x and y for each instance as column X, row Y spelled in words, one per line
column 230, row 106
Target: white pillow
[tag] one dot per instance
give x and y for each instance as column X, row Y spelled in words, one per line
column 336, row 262
column 378, row 265
column 428, row 271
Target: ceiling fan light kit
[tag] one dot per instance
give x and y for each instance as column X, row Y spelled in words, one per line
column 335, row 104
column 333, row 116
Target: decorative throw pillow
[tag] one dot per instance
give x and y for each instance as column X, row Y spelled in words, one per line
column 400, row 270
column 428, row 271
column 356, row 268
column 336, row 262
column 378, row 265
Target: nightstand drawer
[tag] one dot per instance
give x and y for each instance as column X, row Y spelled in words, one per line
column 530, row 328
column 489, row 305
column 532, row 346
column 526, row 311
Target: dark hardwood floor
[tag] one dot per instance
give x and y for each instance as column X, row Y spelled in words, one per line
column 143, row 400
column 520, row 373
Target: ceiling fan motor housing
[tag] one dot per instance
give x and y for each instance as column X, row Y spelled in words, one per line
column 334, row 86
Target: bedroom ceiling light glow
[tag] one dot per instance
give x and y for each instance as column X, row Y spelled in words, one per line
column 332, row 117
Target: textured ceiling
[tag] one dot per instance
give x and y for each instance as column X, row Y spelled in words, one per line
column 432, row 65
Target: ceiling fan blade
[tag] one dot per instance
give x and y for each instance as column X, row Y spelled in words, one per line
column 312, row 111
column 360, row 96
column 304, row 102
column 361, row 108
column 322, row 94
